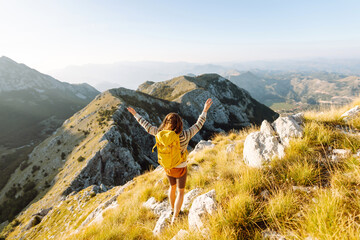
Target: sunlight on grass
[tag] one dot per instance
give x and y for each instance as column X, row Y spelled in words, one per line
column 330, row 210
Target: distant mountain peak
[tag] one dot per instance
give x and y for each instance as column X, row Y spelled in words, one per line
column 17, row 76
column 6, row 59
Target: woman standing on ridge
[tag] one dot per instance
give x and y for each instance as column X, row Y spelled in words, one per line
column 176, row 175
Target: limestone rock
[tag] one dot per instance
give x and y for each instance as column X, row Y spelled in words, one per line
column 189, row 197
column 3, row 224
column 230, row 147
column 162, row 221
column 299, row 118
column 96, row 215
column 203, row 204
column 272, row 235
column 260, row 148
column 43, row 212
column 286, row 128
column 339, row 154
column 162, row 209
column 181, row 235
column 267, row 129
column 203, row 144
column 103, row 188
column 351, row 113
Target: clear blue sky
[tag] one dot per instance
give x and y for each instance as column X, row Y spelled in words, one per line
column 50, row 34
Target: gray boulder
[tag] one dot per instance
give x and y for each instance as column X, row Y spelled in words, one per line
column 162, row 209
column 3, row 224
column 339, row 154
column 203, row 204
column 262, row 146
column 96, row 215
column 203, row 144
column 189, row 197
column 299, row 118
column 351, row 113
column 286, row 128
column 272, row 235
column 181, row 235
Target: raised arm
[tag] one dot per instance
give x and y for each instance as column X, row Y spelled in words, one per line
column 189, row 133
column 145, row 124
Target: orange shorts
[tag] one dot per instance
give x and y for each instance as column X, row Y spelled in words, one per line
column 176, row 172
column 177, row 177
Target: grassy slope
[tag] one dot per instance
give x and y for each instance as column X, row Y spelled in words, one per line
column 80, row 141
column 330, row 211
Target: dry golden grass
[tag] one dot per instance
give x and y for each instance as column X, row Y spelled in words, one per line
column 330, row 211
column 250, row 200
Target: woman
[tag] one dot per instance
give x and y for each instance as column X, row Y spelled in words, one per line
column 176, row 175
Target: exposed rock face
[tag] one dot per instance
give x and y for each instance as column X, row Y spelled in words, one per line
column 233, row 107
column 189, row 197
column 262, row 146
column 270, row 141
column 339, row 154
column 96, row 215
column 286, row 128
column 272, row 235
column 181, row 235
column 202, row 145
column 351, row 113
column 103, row 144
column 203, row 204
column 162, row 209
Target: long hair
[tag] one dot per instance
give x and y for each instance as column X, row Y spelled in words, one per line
column 172, row 122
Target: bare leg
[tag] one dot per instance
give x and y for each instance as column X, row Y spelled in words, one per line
column 172, row 192
column 178, row 203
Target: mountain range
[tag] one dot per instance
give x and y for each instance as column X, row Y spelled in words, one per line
column 102, row 144
column 298, row 88
column 132, row 74
column 32, row 105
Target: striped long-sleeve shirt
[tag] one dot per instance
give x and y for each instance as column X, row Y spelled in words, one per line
column 184, row 136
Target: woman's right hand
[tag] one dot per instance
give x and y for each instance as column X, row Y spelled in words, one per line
column 207, row 104
column 131, row 110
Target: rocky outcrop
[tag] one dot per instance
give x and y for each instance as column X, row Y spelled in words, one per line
column 262, row 146
column 272, row 235
column 270, row 141
column 203, row 204
column 339, row 154
column 103, row 144
column 286, row 128
column 351, row 113
column 163, row 210
column 182, row 234
column 96, row 215
column 189, row 197
column 233, row 107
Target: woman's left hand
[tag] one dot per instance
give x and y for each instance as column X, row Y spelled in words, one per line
column 207, row 104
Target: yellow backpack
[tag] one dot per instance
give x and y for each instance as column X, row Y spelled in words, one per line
column 169, row 151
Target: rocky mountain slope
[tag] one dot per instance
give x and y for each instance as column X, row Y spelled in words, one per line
column 32, row 106
column 234, row 107
column 29, row 98
column 308, row 192
column 104, row 145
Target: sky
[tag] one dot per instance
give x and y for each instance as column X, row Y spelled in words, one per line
column 53, row 34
